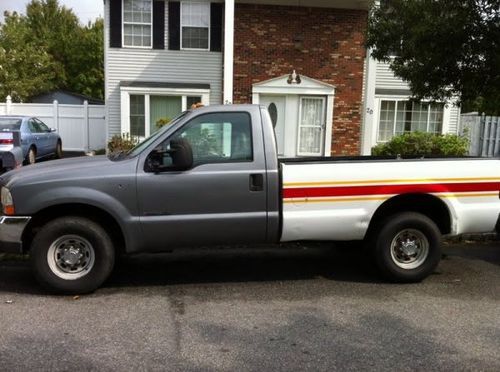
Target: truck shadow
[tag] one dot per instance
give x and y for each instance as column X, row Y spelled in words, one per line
column 344, row 263
column 248, row 264
column 217, row 265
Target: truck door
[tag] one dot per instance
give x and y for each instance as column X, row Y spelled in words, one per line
column 222, row 199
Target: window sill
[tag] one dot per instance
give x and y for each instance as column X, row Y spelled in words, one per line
column 135, row 47
column 196, row 49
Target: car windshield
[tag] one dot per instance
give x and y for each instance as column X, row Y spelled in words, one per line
column 10, row 124
column 141, row 146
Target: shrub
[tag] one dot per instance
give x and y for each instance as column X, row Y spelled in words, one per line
column 121, row 143
column 424, row 144
column 452, row 145
column 100, row 152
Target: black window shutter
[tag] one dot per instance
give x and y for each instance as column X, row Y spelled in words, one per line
column 216, row 27
column 115, row 23
column 174, row 25
column 159, row 24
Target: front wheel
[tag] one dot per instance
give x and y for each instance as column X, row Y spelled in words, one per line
column 58, row 153
column 407, row 247
column 72, row 255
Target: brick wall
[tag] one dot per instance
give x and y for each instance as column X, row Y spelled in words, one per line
column 324, row 44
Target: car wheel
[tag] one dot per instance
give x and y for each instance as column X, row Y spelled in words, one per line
column 31, row 156
column 72, row 255
column 407, row 247
column 58, row 153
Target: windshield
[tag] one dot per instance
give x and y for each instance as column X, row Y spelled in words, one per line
column 10, row 124
column 141, row 146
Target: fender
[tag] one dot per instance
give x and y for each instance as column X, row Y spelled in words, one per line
column 128, row 222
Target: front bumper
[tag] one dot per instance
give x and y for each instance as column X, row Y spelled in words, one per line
column 11, row 231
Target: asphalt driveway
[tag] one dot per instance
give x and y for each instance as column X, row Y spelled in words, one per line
column 259, row 310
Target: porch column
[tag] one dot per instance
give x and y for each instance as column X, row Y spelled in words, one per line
column 369, row 129
column 228, row 52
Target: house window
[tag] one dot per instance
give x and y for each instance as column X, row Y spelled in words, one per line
column 311, row 125
column 398, row 117
column 137, row 116
column 162, row 110
column 195, row 25
column 137, row 23
column 145, row 110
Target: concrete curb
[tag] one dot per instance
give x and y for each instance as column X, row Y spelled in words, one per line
column 486, row 237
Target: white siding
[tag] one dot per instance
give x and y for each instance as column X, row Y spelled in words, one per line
column 386, row 80
column 454, row 121
column 129, row 64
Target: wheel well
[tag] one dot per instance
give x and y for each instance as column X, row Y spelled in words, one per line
column 428, row 205
column 95, row 214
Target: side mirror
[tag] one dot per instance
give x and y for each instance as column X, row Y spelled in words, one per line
column 181, row 153
column 52, row 130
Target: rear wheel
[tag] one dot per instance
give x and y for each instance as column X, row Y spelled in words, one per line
column 72, row 255
column 31, row 156
column 407, row 247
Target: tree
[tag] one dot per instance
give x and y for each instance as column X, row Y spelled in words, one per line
column 85, row 66
column 72, row 53
column 25, row 69
column 443, row 49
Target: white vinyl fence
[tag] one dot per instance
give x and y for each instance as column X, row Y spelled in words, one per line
column 81, row 127
column 484, row 134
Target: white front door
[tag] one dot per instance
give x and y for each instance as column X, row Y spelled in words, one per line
column 312, row 123
column 276, row 107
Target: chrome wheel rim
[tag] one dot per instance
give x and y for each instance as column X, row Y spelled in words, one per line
column 409, row 249
column 71, row 257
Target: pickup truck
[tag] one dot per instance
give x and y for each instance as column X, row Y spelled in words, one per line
column 212, row 177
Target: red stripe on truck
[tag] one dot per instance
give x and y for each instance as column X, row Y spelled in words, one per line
column 305, row 192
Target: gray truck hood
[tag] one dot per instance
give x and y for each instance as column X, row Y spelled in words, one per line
column 72, row 168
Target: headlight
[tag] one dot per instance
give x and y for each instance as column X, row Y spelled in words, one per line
column 7, row 203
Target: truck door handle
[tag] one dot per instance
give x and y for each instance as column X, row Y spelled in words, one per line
column 256, row 182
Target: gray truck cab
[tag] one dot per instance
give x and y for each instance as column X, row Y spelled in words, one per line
column 227, row 192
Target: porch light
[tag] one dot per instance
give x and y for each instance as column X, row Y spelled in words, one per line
column 294, row 78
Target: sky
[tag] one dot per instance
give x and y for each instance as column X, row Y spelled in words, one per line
column 86, row 10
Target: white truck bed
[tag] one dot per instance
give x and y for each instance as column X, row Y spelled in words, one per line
column 336, row 200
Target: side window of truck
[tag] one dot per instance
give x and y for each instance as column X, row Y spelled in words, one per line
column 218, row 138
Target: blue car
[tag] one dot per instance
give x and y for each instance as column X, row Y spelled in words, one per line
column 37, row 139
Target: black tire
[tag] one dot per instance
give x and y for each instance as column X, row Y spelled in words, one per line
column 81, row 237
column 30, row 156
column 406, row 261
column 58, row 154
